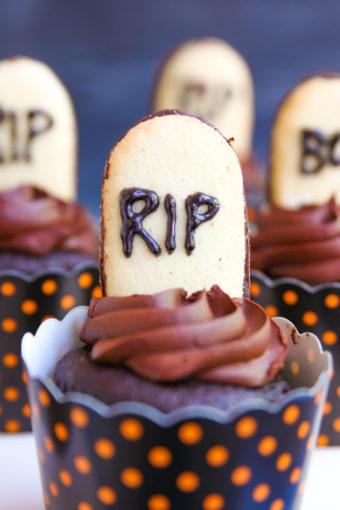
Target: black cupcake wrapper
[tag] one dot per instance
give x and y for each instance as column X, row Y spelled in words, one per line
column 130, row 456
column 316, row 309
column 25, row 301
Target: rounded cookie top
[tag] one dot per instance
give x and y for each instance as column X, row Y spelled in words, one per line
column 207, row 77
column 173, row 210
column 305, row 144
column 38, row 129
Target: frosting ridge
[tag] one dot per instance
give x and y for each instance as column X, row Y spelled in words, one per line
column 35, row 223
column 169, row 337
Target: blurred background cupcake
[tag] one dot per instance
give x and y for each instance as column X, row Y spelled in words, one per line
column 296, row 247
column 48, row 243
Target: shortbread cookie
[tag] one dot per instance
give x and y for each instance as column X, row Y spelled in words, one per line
column 209, row 78
column 173, row 210
column 38, row 131
column 305, row 144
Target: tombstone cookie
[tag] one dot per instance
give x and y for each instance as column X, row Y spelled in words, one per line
column 207, row 77
column 304, row 153
column 38, row 131
column 173, row 211
column 48, row 242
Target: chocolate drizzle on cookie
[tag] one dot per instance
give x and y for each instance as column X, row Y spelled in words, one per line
column 170, row 207
column 193, row 204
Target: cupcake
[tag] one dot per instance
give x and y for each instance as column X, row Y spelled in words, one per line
column 176, row 401
column 295, row 251
column 48, row 242
column 207, row 77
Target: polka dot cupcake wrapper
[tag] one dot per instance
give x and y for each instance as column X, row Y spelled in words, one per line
column 24, row 303
column 133, row 457
column 316, row 309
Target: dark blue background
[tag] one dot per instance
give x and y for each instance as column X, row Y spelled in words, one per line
column 106, row 52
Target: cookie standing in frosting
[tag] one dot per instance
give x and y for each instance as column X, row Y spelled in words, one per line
column 171, row 158
column 38, row 129
column 305, row 144
column 207, row 77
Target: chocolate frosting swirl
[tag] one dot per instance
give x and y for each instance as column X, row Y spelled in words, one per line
column 35, row 223
column 302, row 243
column 169, row 337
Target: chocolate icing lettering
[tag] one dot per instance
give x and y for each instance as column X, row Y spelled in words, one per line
column 133, row 221
column 170, row 207
column 202, row 100
column 35, row 123
column 318, row 151
column 194, row 218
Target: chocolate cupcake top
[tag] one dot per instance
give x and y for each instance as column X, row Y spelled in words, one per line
column 170, row 337
column 302, row 243
column 34, row 223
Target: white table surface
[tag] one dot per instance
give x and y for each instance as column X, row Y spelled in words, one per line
column 20, row 484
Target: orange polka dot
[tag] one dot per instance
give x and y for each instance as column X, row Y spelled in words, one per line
column 104, row 448
column 83, row 505
column 291, row 414
column 213, row 502
column 295, row 367
column 267, row 446
column 272, row 311
column 187, row 481
column 85, row 280
column 49, row 287
column 79, row 417
column 255, row 289
column 332, row 301
column 54, row 489
column 158, row 502
column 327, row 408
column 318, row 397
column 49, row 444
column 65, row 478
column 61, row 431
column 11, row 394
column 26, row 411
column 190, row 433
column 132, row 478
column 67, row 302
column 302, row 487
column 8, row 289
column 29, row 307
column 310, row 355
column 284, row 461
column 41, row 455
column 131, row 429
column 277, row 504
column 246, row 427
column 310, row 443
column 303, row 430
column 338, row 391
column 36, row 410
column 261, row 492
column 336, row 425
column 44, row 398
column 12, row 426
column 310, row 318
column 24, row 377
column 47, row 499
column 295, row 475
column 290, row 297
column 329, row 337
column 241, row 475
column 160, row 457
column 9, row 325
column 106, row 495
column 217, row 455
column 97, row 292
column 10, row 360
column 323, row 440
column 82, row 464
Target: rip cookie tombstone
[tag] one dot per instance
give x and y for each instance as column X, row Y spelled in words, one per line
column 173, row 210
